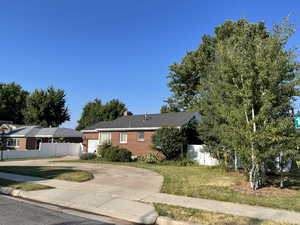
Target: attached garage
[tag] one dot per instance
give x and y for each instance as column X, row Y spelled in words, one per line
column 92, row 145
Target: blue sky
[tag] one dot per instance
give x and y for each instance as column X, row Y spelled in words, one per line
column 115, row 48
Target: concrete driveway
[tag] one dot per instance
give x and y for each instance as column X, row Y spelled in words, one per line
column 121, row 192
column 127, row 177
column 115, row 191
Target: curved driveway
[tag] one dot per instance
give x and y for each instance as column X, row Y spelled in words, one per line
column 115, row 191
column 127, row 177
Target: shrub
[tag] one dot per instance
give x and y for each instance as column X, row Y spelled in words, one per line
column 116, row 154
column 151, row 157
column 102, row 149
column 169, row 141
column 186, row 162
column 88, row 156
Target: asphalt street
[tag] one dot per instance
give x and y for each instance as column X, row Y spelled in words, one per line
column 16, row 212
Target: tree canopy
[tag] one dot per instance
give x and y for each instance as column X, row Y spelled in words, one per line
column 168, row 108
column 47, row 108
column 95, row 111
column 243, row 81
column 12, row 102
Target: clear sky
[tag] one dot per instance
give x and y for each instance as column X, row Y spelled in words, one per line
column 114, row 48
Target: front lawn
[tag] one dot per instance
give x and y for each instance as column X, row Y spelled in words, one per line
column 25, row 186
column 215, row 183
column 48, row 172
column 207, row 218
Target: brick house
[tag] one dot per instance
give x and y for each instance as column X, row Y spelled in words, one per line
column 133, row 132
column 29, row 137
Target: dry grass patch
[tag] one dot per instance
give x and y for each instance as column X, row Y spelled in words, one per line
column 207, row 218
column 25, row 186
column 243, row 186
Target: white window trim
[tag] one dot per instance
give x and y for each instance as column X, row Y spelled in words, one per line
column 13, row 146
column 125, row 141
column 100, row 137
column 138, row 136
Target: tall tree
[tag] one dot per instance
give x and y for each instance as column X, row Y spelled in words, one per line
column 12, row 102
column 168, row 108
column 92, row 113
column 186, row 76
column 246, row 94
column 47, row 108
column 113, row 109
column 95, row 111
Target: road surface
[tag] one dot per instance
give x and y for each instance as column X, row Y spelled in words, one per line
column 16, row 212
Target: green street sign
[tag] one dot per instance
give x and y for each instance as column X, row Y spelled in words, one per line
column 297, row 121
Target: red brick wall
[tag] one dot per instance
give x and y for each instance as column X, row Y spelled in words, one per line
column 89, row 136
column 137, row 148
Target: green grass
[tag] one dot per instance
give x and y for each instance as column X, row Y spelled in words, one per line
column 207, row 218
column 25, row 186
column 48, row 172
column 213, row 183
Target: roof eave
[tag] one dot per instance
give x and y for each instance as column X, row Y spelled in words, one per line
column 13, row 136
column 122, row 129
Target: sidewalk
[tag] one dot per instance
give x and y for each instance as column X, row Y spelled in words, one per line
column 94, row 198
column 126, row 204
column 236, row 209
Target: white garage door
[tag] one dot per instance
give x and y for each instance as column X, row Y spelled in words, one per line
column 92, row 146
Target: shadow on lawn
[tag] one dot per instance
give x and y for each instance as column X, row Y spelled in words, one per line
column 253, row 221
column 38, row 171
column 291, row 180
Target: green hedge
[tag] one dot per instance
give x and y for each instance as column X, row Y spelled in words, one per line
column 116, row 154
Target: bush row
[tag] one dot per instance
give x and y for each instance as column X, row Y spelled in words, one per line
column 111, row 153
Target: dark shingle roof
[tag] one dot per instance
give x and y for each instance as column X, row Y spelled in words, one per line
column 67, row 132
column 37, row 131
column 175, row 119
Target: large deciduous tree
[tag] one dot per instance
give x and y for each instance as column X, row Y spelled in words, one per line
column 243, row 81
column 95, row 111
column 47, row 108
column 12, row 102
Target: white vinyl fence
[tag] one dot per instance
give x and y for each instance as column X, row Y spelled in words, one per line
column 46, row 150
column 197, row 153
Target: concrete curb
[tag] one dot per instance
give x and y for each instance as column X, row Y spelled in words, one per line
column 24, row 195
column 162, row 220
column 11, row 191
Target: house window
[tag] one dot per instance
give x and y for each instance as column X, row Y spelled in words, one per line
column 123, row 137
column 141, row 136
column 12, row 142
column 105, row 137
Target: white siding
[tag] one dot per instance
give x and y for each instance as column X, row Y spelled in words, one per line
column 197, row 153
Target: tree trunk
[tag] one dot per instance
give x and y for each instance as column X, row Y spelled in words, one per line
column 256, row 176
column 235, row 161
column 256, row 172
column 281, row 169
